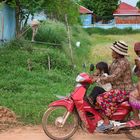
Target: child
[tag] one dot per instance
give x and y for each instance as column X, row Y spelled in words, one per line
column 101, row 70
column 134, row 96
column 136, row 69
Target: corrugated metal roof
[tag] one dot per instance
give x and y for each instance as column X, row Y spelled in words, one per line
column 84, row 10
column 126, row 9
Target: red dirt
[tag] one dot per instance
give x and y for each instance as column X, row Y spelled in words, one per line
column 7, row 132
column 7, row 118
column 37, row 133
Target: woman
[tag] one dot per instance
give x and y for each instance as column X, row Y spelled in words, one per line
column 134, row 96
column 121, row 81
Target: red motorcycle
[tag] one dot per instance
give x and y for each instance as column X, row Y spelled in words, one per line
column 64, row 116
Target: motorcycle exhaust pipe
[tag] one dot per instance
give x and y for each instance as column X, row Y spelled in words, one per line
column 123, row 125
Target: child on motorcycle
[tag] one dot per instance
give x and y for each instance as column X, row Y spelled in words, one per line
column 101, row 70
column 134, row 96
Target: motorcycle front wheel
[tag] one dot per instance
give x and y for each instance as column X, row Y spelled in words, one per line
column 58, row 124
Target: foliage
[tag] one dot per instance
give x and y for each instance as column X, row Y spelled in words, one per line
column 111, row 31
column 50, row 32
column 102, row 8
column 60, row 8
column 54, row 35
column 88, row 4
column 54, row 9
column 16, row 44
column 23, row 9
column 79, row 35
column 138, row 4
column 1, row 5
column 28, row 93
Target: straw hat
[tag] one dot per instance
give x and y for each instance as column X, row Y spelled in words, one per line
column 120, row 47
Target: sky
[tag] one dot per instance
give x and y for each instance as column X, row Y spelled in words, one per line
column 132, row 2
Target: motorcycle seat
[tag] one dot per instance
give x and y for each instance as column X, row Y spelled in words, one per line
column 125, row 104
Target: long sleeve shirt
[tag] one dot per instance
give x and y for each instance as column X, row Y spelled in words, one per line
column 120, row 75
column 106, row 86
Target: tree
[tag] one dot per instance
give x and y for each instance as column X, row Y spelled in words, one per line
column 23, row 9
column 58, row 9
column 138, row 4
column 102, row 8
column 54, row 9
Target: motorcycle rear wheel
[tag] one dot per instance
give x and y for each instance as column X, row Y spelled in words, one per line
column 51, row 123
column 133, row 134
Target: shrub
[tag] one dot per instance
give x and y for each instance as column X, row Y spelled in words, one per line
column 14, row 44
column 113, row 31
column 18, row 44
column 55, row 32
column 51, row 32
column 58, row 60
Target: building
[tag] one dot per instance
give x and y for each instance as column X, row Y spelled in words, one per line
column 7, row 23
column 86, row 16
column 126, row 14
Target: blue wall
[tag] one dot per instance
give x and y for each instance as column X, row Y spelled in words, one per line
column 8, row 14
column 112, row 24
column 120, row 26
column 86, row 19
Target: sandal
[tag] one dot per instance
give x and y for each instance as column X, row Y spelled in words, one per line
column 133, row 123
column 103, row 127
column 137, row 122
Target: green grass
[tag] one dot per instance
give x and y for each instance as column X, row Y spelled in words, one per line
column 56, row 33
column 28, row 93
column 112, row 31
column 100, row 50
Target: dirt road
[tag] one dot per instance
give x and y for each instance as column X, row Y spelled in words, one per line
column 36, row 133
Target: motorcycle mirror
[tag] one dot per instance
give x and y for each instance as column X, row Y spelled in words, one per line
column 91, row 67
column 84, row 66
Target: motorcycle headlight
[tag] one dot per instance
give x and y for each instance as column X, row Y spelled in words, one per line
column 80, row 79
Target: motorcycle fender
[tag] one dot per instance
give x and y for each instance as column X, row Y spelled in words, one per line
column 68, row 103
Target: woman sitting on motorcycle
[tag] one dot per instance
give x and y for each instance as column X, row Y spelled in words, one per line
column 121, row 80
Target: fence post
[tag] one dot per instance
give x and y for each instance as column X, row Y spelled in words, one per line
column 49, row 63
column 69, row 39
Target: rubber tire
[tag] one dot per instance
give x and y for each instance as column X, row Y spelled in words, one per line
column 131, row 137
column 128, row 134
column 46, row 115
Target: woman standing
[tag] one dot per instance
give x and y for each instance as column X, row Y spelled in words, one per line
column 121, row 80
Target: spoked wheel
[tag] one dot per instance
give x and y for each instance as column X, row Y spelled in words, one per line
column 58, row 124
column 134, row 133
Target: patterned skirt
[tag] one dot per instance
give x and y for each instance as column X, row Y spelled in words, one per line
column 109, row 101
